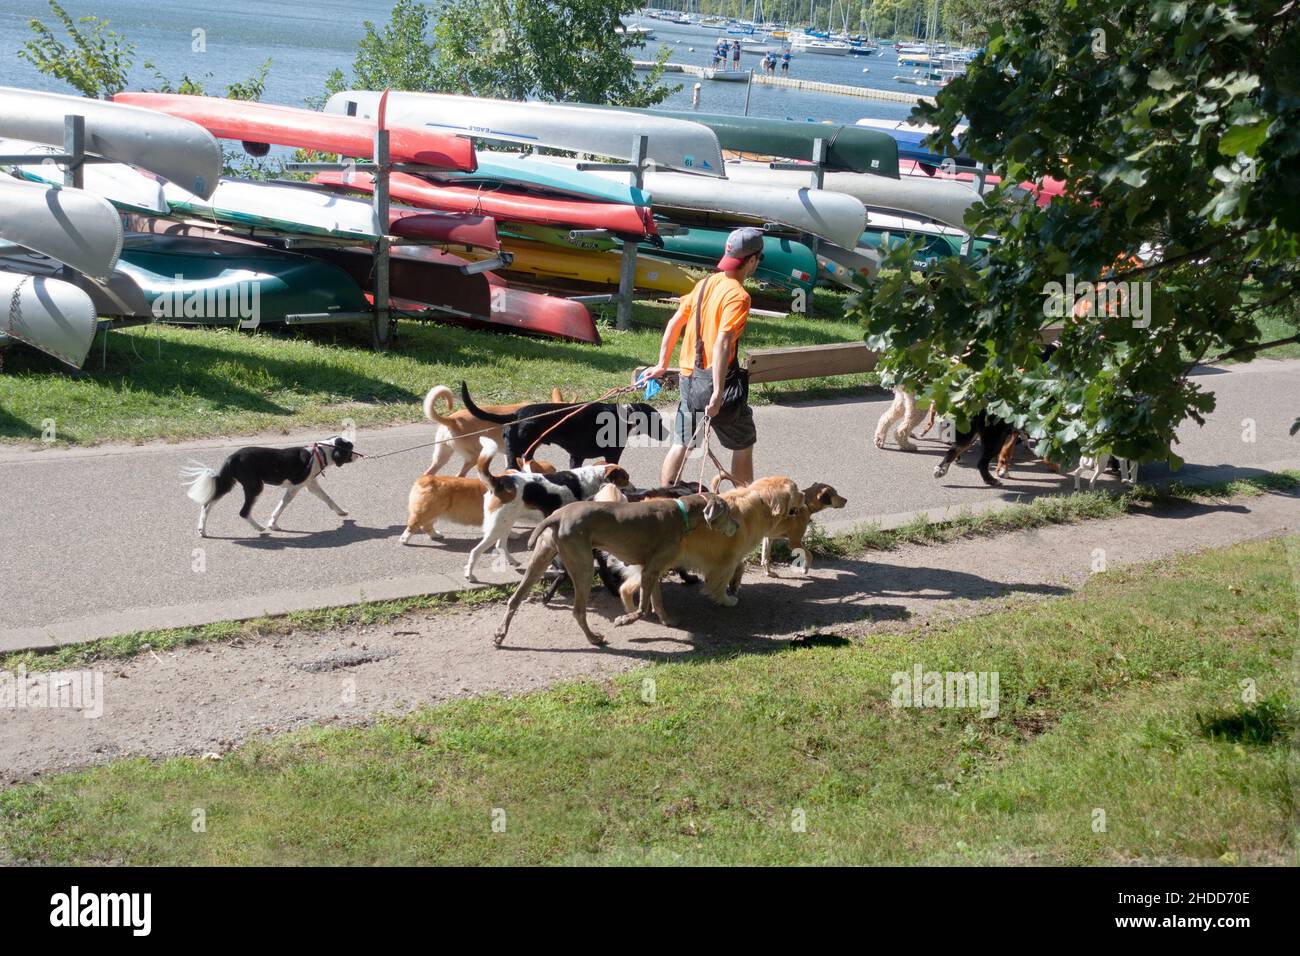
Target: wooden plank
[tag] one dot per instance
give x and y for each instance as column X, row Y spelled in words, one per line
column 837, row 358
column 809, row 361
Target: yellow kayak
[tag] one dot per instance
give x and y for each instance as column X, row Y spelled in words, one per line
column 582, row 265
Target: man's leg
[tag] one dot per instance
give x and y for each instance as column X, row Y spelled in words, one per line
column 672, row 464
column 742, row 465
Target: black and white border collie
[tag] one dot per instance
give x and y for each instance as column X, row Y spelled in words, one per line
column 254, row 468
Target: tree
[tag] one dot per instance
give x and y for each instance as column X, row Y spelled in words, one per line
column 401, row 56
column 563, row 51
column 95, row 61
column 1176, row 128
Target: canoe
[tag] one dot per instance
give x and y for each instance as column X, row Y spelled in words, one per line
column 526, row 171
column 176, row 149
column 421, row 276
column 125, row 187
column 70, row 225
column 727, row 76
column 53, row 316
column 671, row 143
column 303, row 210
column 114, row 297
column 822, row 213
column 307, row 129
column 190, row 280
column 1043, row 192
column 847, row 267
column 591, row 267
column 933, row 246
column 502, row 204
column 909, row 139
column 944, row 202
column 850, row 148
column 785, row 262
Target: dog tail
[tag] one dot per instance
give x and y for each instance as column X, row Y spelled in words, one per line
column 439, row 393
column 480, row 413
column 499, row 484
column 550, row 522
column 205, row 484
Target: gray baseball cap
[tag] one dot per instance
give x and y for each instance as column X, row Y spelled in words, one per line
column 741, row 244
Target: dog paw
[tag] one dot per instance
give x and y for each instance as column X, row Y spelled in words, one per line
column 406, row 536
column 597, row 640
column 625, row 619
column 469, row 576
column 499, row 637
column 992, row 482
column 940, row 471
column 880, row 442
column 904, row 445
column 728, row 600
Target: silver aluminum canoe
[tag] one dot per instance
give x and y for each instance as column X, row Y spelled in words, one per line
column 941, row 201
column 176, row 149
column 53, row 316
column 124, row 186
column 671, row 143
column 818, row 212
column 71, row 225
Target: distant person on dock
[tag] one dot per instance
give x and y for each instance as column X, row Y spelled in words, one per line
column 785, row 63
column 710, row 321
column 769, row 63
column 735, row 55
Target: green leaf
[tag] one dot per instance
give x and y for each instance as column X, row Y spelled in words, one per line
column 1244, row 139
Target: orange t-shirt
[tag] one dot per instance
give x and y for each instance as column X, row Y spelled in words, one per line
column 725, row 308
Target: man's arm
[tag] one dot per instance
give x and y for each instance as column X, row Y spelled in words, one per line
column 672, row 332
column 721, row 360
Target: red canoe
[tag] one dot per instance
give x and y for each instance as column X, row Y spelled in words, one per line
column 307, row 129
column 453, row 229
column 504, row 204
column 1042, row 192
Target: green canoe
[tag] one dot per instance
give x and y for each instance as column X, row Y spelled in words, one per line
column 934, row 246
column 786, row 263
column 857, row 149
column 200, row 281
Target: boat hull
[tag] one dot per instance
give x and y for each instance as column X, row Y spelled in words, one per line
column 70, row 225
column 54, row 316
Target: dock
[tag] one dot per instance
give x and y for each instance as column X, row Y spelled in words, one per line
column 807, row 86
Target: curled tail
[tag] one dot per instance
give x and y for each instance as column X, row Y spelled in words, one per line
column 205, row 484
column 499, row 485
column 550, row 522
column 480, row 413
column 439, row 393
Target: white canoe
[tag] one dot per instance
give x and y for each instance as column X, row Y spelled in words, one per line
column 70, row 225
column 176, row 149
column 53, row 316
column 125, row 187
column 942, row 201
column 671, row 143
column 278, row 207
column 847, row 267
column 818, row 212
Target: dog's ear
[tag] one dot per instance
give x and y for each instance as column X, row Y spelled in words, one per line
column 617, row 475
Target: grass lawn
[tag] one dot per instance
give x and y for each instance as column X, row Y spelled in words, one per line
column 1125, row 700
column 174, row 383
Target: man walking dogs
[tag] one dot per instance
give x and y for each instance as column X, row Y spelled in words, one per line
column 713, row 316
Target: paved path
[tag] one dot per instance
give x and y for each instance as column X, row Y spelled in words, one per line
column 101, row 541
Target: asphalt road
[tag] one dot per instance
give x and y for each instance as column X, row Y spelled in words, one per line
column 101, row 541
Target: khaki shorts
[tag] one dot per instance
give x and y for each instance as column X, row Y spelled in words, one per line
column 735, row 430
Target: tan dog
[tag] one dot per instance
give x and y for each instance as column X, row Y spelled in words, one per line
column 454, row 499
column 459, row 431
column 647, row 534
column 760, row 508
column 816, row 497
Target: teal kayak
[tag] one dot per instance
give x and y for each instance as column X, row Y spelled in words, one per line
column 200, row 281
column 934, row 246
column 785, row 262
column 855, row 149
column 522, row 169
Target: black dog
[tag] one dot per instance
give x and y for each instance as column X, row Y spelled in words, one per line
column 993, row 435
column 254, row 468
column 612, row 571
column 598, row 430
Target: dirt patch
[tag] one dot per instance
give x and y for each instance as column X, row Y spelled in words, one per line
column 208, row 698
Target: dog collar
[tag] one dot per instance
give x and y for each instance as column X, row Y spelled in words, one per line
column 317, row 453
column 686, row 513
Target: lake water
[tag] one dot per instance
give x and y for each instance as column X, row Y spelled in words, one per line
column 305, row 39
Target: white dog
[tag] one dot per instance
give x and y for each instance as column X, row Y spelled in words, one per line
column 903, row 416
